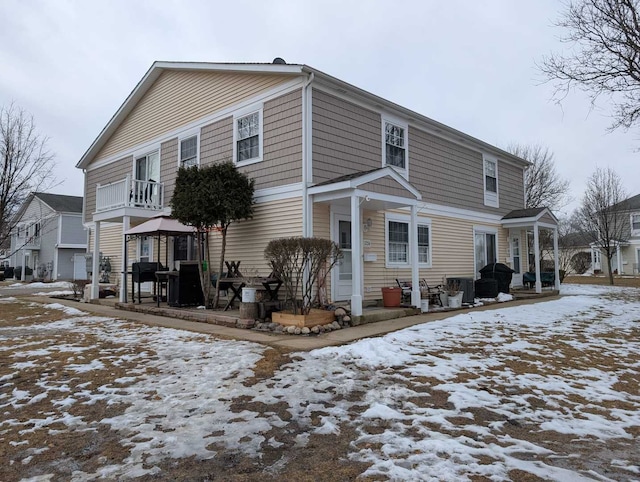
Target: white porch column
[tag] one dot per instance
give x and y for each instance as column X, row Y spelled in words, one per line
column 95, row 288
column 356, row 257
column 618, row 255
column 23, row 273
column 126, row 224
column 556, row 258
column 413, row 243
column 536, row 254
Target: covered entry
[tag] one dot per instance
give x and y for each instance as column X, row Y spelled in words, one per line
column 377, row 190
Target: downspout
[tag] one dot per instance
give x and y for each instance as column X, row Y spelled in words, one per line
column 307, row 214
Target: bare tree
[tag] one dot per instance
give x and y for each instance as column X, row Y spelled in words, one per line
column 543, row 186
column 604, row 58
column 602, row 212
column 27, row 164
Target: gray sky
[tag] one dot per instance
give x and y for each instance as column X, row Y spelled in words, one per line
column 468, row 64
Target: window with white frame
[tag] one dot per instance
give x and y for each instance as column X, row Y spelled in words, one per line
column 189, row 151
column 635, row 222
column 395, row 142
column 486, row 248
column 247, row 137
column 398, row 241
column 424, row 244
column 490, row 181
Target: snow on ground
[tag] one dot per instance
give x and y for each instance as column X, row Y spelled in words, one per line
column 40, row 285
column 439, row 401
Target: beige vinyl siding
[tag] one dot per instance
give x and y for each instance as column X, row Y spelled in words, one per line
column 547, row 219
column 180, row 97
column 246, row 240
column 387, row 185
column 106, row 174
column 510, row 187
column 346, row 138
column 168, row 167
column 322, row 229
column 452, row 252
column 110, row 245
column 282, row 157
column 216, row 142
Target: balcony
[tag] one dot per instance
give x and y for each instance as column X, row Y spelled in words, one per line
column 129, row 193
column 32, row 242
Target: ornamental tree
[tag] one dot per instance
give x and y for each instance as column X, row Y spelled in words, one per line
column 210, row 197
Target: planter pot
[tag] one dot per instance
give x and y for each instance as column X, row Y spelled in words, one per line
column 424, row 306
column 248, row 310
column 248, row 295
column 391, row 297
column 455, row 301
column 444, row 299
column 315, row 317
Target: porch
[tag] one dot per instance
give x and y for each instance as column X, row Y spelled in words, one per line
column 129, row 193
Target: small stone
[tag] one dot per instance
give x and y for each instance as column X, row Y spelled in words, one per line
column 273, row 326
column 335, row 325
column 291, row 329
column 326, row 328
column 340, row 312
column 315, row 329
column 346, row 318
column 305, row 331
column 296, row 330
column 279, row 328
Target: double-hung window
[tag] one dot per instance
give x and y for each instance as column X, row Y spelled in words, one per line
column 398, row 245
column 399, row 241
column 635, row 222
column 490, row 181
column 486, row 248
column 247, row 136
column 189, row 151
column 395, row 142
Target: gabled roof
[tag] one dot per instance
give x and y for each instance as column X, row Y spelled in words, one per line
column 629, row 204
column 61, row 203
column 293, row 70
column 577, row 239
column 57, row 202
column 530, row 216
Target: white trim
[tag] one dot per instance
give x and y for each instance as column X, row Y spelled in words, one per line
column 287, row 191
column 185, row 136
column 388, row 119
column 205, row 121
column 458, row 213
column 54, row 268
column 230, row 67
column 491, row 199
column 406, row 218
column 71, row 246
column 634, row 232
column 249, row 110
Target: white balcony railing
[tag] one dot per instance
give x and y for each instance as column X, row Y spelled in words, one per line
column 130, row 193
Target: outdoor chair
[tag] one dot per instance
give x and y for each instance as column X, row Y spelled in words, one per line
column 431, row 293
column 405, row 286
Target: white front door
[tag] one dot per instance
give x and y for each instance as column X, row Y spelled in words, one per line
column 343, row 275
column 595, row 256
column 516, row 256
column 145, row 254
column 79, row 266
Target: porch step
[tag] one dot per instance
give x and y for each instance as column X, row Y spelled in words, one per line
column 371, row 315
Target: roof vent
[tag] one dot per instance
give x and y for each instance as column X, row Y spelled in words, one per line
column 278, row 60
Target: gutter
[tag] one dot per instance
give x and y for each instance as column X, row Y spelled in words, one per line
column 307, row 220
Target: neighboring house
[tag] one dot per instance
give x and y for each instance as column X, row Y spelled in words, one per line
column 574, row 244
column 626, row 259
column 48, row 236
column 403, row 195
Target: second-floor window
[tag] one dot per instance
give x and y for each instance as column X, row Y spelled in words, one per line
column 248, row 137
column 395, row 145
column 635, row 222
column 490, row 181
column 189, row 151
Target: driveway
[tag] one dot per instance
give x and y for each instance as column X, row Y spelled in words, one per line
column 548, row 391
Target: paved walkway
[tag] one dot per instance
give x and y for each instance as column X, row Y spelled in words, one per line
column 282, row 341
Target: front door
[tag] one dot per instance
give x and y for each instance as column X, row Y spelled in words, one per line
column 145, row 254
column 343, row 272
column 516, row 255
column 597, row 264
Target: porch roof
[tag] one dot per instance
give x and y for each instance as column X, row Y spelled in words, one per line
column 343, row 187
column 160, row 225
column 519, row 218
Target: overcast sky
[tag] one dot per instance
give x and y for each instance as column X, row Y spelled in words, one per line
column 468, row 64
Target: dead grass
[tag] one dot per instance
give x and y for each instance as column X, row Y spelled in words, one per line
column 629, row 282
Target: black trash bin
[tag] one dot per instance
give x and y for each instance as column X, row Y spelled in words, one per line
column 501, row 273
column 486, row 288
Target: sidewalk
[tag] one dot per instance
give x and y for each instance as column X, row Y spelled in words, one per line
column 281, row 341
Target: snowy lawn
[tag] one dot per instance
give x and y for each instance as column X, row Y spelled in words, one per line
column 548, row 391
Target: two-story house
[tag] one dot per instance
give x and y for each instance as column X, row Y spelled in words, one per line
column 49, row 237
column 404, row 196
